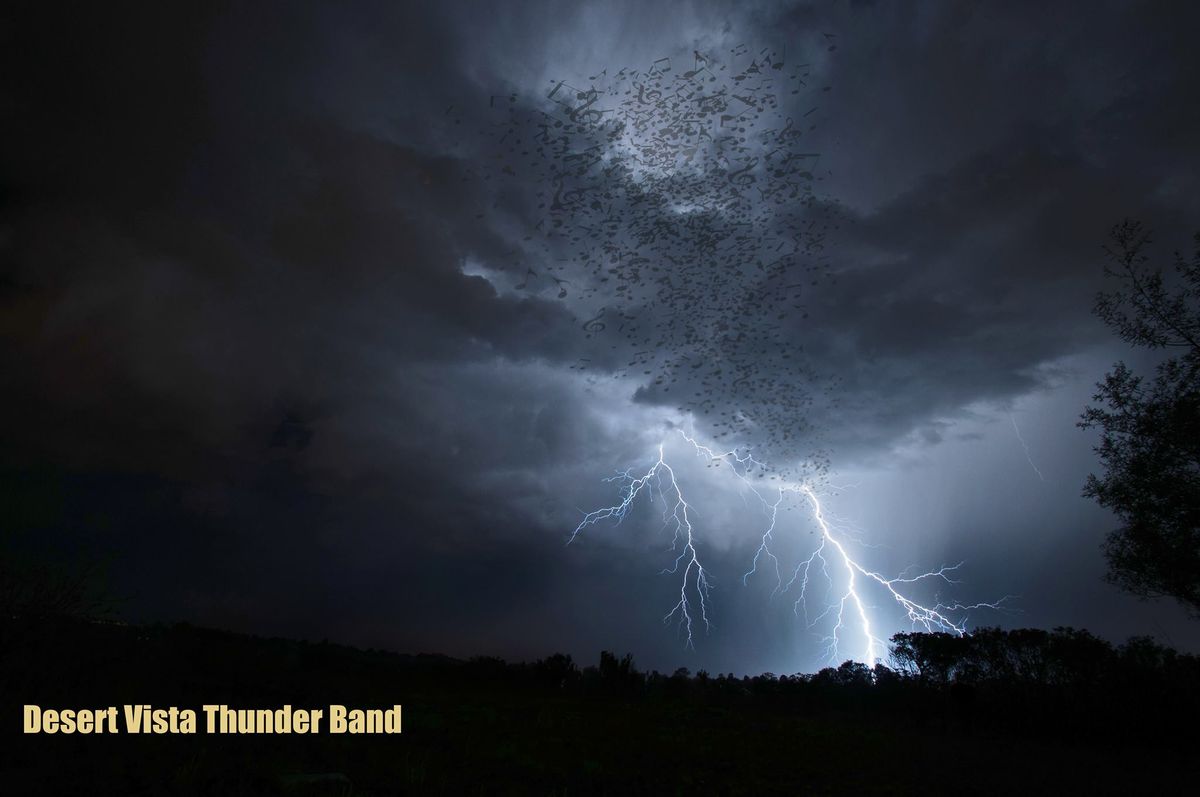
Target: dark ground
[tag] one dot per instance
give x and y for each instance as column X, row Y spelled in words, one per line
column 484, row 727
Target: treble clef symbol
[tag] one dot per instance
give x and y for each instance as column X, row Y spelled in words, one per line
column 589, row 99
column 742, row 176
column 595, row 324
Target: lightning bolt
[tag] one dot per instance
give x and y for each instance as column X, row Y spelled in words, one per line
column 1025, row 447
column 675, row 514
column 831, row 555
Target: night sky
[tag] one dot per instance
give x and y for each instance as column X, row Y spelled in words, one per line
column 264, row 352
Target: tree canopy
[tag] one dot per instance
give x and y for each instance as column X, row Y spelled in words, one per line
column 1150, row 442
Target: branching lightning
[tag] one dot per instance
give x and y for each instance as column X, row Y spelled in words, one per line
column 844, row 600
column 676, row 514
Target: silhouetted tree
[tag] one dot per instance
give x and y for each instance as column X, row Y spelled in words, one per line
column 932, row 657
column 1150, row 448
column 618, row 675
column 558, row 670
column 36, row 588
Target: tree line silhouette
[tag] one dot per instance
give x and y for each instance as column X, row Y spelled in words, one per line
column 1075, row 713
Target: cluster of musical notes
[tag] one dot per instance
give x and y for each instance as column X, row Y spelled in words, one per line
column 677, row 205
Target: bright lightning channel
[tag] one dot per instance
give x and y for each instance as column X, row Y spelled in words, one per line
column 675, row 514
column 846, row 607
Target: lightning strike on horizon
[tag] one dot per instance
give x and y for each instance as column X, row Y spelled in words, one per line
column 930, row 618
column 831, row 548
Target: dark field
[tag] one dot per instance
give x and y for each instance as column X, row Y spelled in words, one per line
column 485, row 727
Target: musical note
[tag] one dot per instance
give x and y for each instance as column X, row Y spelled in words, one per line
column 645, row 179
column 742, row 177
column 594, row 324
column 528, row 273
column 644, row 96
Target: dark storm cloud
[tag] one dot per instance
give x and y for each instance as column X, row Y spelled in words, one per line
column 216, row 275
column 984, row 151
column 233, row 304
column 210, row 250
